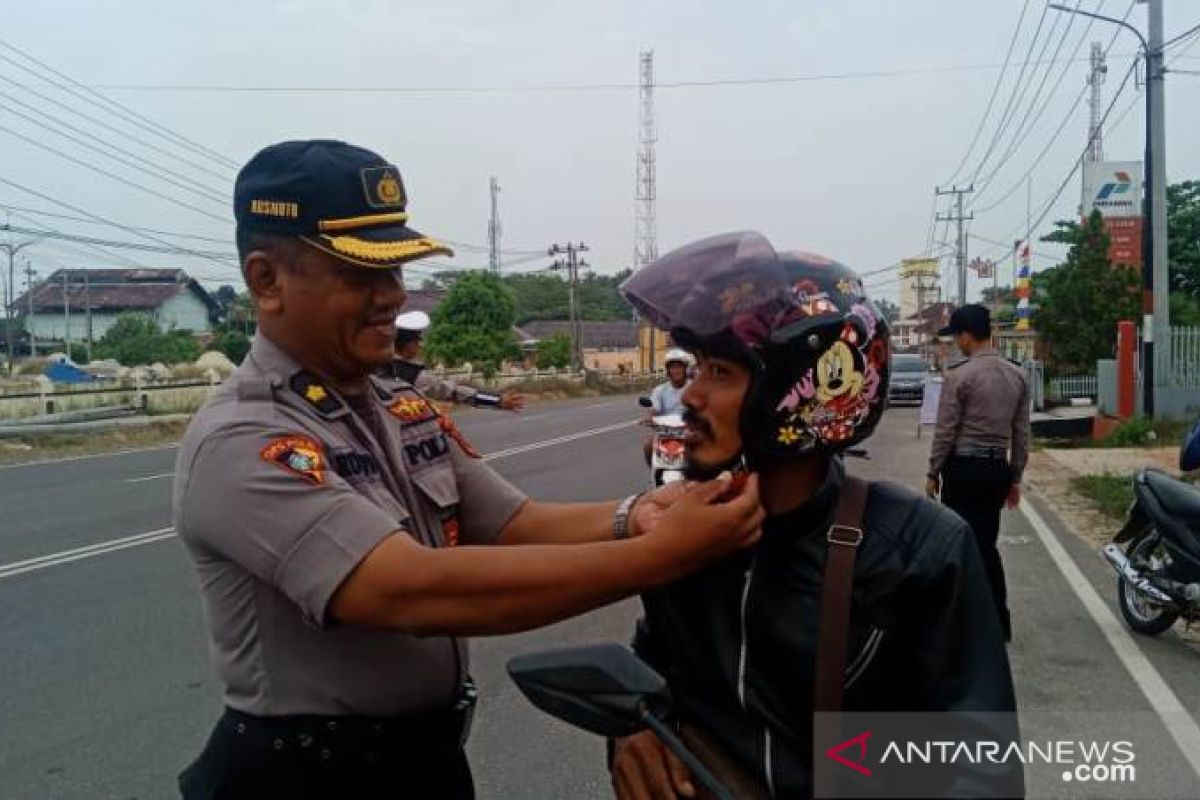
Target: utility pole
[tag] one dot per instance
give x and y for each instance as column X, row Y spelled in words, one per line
column 87, row 304
column 30, row 274
column 1095, row 148
column 494, row 227
column 572, row 264
column 1155, row 299
column 960, row 248
column 66, row 315
column 10, row 296
column 645, row 234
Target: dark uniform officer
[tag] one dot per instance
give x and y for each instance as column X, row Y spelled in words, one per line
column 323, row 509
column 984, row 411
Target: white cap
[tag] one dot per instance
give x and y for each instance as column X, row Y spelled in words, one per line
column 675, row 354
column 412, row 321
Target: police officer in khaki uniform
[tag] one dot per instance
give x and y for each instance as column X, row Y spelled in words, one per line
column 410, row 334
column 338, row 524
column 983, row 414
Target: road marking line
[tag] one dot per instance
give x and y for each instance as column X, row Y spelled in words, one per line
column 90, row 455
column 67, row 556
column 1174, row 715
column 149, row 537
column 525, row 448
column 151, row 477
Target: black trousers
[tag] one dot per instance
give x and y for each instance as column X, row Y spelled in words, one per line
column 976, row 488
column 328, row 758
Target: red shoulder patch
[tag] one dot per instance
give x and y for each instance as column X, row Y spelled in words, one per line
column 299, row 455
column 412, row 408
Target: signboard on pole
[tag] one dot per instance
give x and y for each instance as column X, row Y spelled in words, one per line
column 1114, row 188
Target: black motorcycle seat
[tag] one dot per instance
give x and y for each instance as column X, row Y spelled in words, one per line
column 1178, row 498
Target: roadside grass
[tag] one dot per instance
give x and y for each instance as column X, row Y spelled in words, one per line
column 1134, row 432
column 41, row 446
column 1110, row 494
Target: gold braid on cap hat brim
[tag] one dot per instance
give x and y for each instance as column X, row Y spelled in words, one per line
column 377, row 254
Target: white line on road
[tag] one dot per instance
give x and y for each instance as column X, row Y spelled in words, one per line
column 151, row 477
column 67, row 556
column 89, row 456
column 1175, row 717
column 79, row 553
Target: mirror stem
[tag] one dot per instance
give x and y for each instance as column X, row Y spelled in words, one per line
column 698, row 770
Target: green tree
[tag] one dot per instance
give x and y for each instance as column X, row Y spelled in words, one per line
column 231, row 341
column 137, row 339
column 474, row 323
column 1081, row 300
column 553, row 352
column 1183, row 235
column 542, row 295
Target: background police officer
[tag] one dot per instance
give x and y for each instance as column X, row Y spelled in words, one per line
column 336, row 523
column 984, row 411
column 407, row 366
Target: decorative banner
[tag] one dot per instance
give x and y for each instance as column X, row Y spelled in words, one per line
column 983, row 267
column 1024, row 289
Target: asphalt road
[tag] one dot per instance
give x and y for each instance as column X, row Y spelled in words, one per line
column 106, row 690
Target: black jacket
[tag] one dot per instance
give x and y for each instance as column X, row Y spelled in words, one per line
column 736, row 642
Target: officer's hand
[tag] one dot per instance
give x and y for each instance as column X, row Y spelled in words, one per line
column 1014, row 496
column 644, row 769
column 649, row 509
column 700, row 524
column 511, row 401
column 932, row 487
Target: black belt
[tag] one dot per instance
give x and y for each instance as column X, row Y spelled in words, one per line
column 990, row 453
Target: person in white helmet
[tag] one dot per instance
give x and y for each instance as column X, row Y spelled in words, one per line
column 410, row 333
column 667, row 397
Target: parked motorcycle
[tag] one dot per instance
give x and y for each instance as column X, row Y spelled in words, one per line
column 607, row 690
column 666, row 449
column 1156, row 554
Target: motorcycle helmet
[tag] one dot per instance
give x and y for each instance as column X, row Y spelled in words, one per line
column 816, row 346
column 675, row 355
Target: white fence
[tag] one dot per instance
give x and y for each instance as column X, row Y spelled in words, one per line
column 1068, row 386
column 1184, row 372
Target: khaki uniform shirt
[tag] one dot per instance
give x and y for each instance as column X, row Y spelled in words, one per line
column 429, row 384
column 984, row 403
column 281, row 489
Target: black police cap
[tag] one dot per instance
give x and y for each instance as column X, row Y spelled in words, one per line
column 343, row 199
column 973, row 319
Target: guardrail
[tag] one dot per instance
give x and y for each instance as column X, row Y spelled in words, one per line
column 1069, row 386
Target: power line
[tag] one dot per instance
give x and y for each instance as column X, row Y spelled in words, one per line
column 112, row 175
column 539, row 88
column 40, row 213
column 154, row 170
column 1182, row 36
column 991, row 100
column 114, row 129
column 97, row 217
column 90, row 95
column 52, row 233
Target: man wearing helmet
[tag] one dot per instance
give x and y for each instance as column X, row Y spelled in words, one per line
column 792, row 369
column 667, row 397
column 410, row 334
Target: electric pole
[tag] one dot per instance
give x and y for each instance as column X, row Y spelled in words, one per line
column 66, row 315
column 572, row 265
column 645, row 233
column 960, row 248
column 30, row 274
column 87, row 305
column 10, row 296
column 494, row 227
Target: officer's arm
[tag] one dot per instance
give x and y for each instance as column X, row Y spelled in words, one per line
column 577, row 523
column 1020, row 433
column 948, row 419
column 472, row 590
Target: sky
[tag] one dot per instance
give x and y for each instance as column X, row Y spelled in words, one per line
column 543, row 96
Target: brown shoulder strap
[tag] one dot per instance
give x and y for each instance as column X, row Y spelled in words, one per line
column 833, row 630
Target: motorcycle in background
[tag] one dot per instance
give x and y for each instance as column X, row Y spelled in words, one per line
column 1156, row 554
column 667, row 447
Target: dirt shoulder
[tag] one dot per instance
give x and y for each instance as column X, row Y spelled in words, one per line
column 34, row 446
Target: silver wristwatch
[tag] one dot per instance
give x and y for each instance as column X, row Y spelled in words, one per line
column 621, row 518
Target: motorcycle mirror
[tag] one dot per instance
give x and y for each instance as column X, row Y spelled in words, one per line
column 644, row 402
column 604, row 689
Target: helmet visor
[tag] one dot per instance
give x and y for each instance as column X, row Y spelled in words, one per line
column 706, row 286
